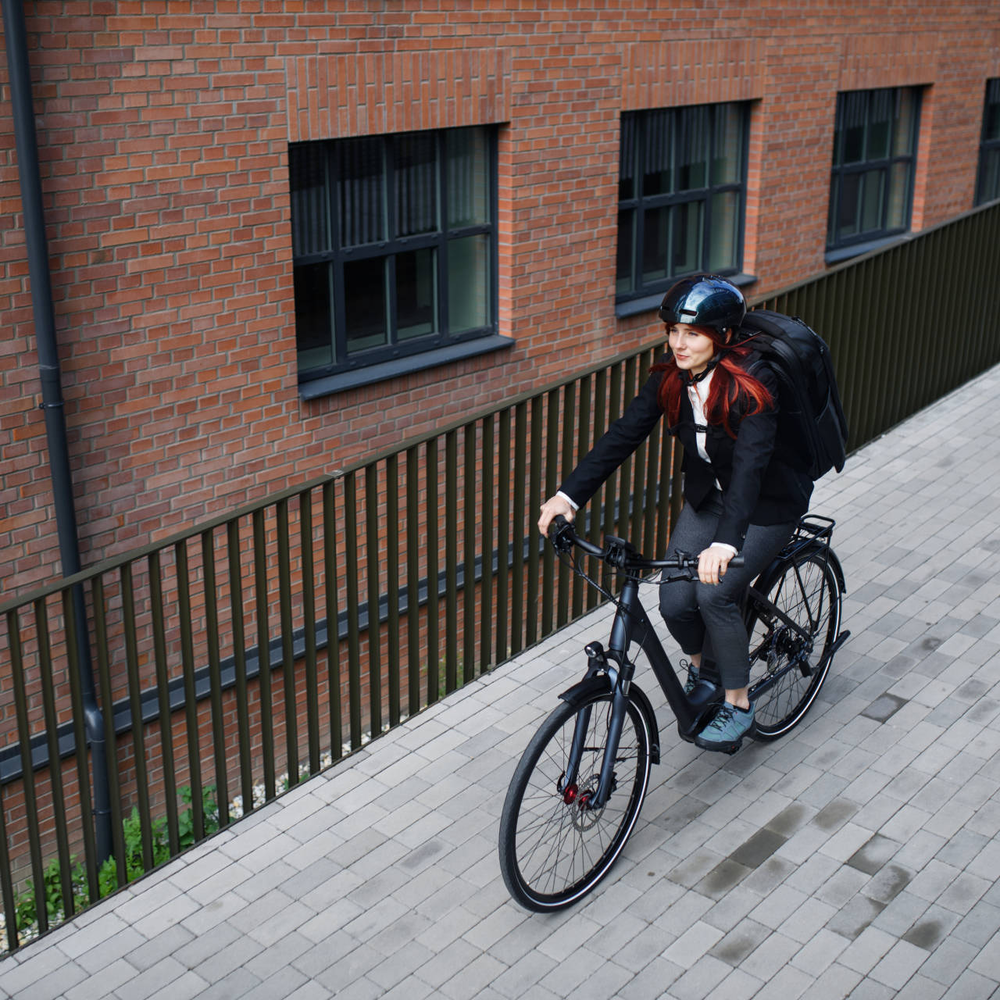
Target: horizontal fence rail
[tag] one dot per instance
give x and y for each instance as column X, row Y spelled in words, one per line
column 226, row 663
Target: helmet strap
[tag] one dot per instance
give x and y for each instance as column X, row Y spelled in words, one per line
column 688, row 379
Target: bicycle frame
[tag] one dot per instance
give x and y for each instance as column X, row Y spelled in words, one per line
column 632, row 624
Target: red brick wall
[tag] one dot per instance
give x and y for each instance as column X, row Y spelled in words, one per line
column 163, row 134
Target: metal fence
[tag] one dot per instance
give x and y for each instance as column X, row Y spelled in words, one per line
column 233, row 659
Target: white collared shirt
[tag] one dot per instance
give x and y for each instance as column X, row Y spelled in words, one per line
column 698, row 395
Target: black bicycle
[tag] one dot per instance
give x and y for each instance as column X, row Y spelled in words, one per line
column 576, row 794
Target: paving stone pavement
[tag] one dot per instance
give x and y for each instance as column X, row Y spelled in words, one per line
column 857, row 857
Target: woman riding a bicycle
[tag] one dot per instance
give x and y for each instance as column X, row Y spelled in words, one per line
column 741, row 494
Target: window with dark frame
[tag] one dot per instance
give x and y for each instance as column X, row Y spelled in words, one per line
column 874, row 158
column 394, row 246
column 988, row 177
column 681, row 195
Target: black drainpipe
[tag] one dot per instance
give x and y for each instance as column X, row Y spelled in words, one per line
column 18, row 70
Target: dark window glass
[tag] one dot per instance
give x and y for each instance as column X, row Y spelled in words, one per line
column 681, row 194
column 874, row 151
column 360, row 192
column 313, row 317
column 364, row 308
column 416, row 293
column 394, row 245
column 416, row 184
column 988, row 179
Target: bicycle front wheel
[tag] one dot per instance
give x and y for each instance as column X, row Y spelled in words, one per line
column 788, row 665
column 554, row 846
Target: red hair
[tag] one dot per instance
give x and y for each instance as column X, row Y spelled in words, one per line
column 730, row 382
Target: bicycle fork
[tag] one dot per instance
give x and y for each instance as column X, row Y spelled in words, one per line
column 594, row 798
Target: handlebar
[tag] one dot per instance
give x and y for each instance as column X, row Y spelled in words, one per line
column 619, row 553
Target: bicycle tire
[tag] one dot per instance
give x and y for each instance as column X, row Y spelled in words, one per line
column 553, row 850
column 807, row 590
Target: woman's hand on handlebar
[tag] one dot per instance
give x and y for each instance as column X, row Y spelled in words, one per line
column 712, row 563
column 551, row 509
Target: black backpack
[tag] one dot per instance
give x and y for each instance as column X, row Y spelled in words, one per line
column 812, row 428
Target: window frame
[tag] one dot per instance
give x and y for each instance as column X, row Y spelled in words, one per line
column 390, row 359
column 840, row 171
column 640, row 203
column 988, row 147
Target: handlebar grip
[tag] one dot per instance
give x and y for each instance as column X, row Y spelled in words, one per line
column 561, row 534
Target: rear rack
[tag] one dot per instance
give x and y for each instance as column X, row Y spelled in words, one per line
column 811, row 528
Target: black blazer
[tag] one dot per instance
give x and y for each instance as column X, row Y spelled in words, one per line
column 760, row 485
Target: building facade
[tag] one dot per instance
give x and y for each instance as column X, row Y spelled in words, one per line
column 283, row 236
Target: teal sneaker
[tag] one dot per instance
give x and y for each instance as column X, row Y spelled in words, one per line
column 726, row 731
column 692, row 677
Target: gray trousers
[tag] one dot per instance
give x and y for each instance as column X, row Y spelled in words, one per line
column 708, row 618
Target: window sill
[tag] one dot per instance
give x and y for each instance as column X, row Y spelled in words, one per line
column 330, row 384
column 857, row 249
column 651, row 302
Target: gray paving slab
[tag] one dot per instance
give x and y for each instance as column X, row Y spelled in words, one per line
column 857, row 857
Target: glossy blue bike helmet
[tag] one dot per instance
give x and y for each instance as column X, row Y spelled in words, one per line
column 704, row 300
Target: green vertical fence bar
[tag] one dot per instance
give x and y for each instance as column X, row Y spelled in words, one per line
column 625, row 469
column 392, row 585
column 881, row 401
column 52, row 744
column 135, row 711
column 895, row 352
column 611, row 485
column 80, row 742
column 372, row 553
column 639, row 470
column 7, row 882
column 853, row 331
column 154, row 569
column 215, row 676
column 451, row 560
column 535, row 498
column 580, row 588
column 413, row 548
column 665, row 490
column 600, row 500
column 239, row 663
column 949, row 362
column 27, row 770
column 309, row 627
column 190, row 700
column 567, row 462
column 927, row 285
column 486, row 525
column 551, row 484
column 470, row 510
column 262, row 611
column 433, row 621
column 333, row 678
column 655, row 482
column 503, row 538
column 287, row 646
column 517, row 533
column 353, row 611
column 111, row 739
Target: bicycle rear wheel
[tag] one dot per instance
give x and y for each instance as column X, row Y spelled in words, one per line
column 787, row 665
column 554, row 847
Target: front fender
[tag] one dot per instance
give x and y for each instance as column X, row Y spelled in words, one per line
column 598, row 684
